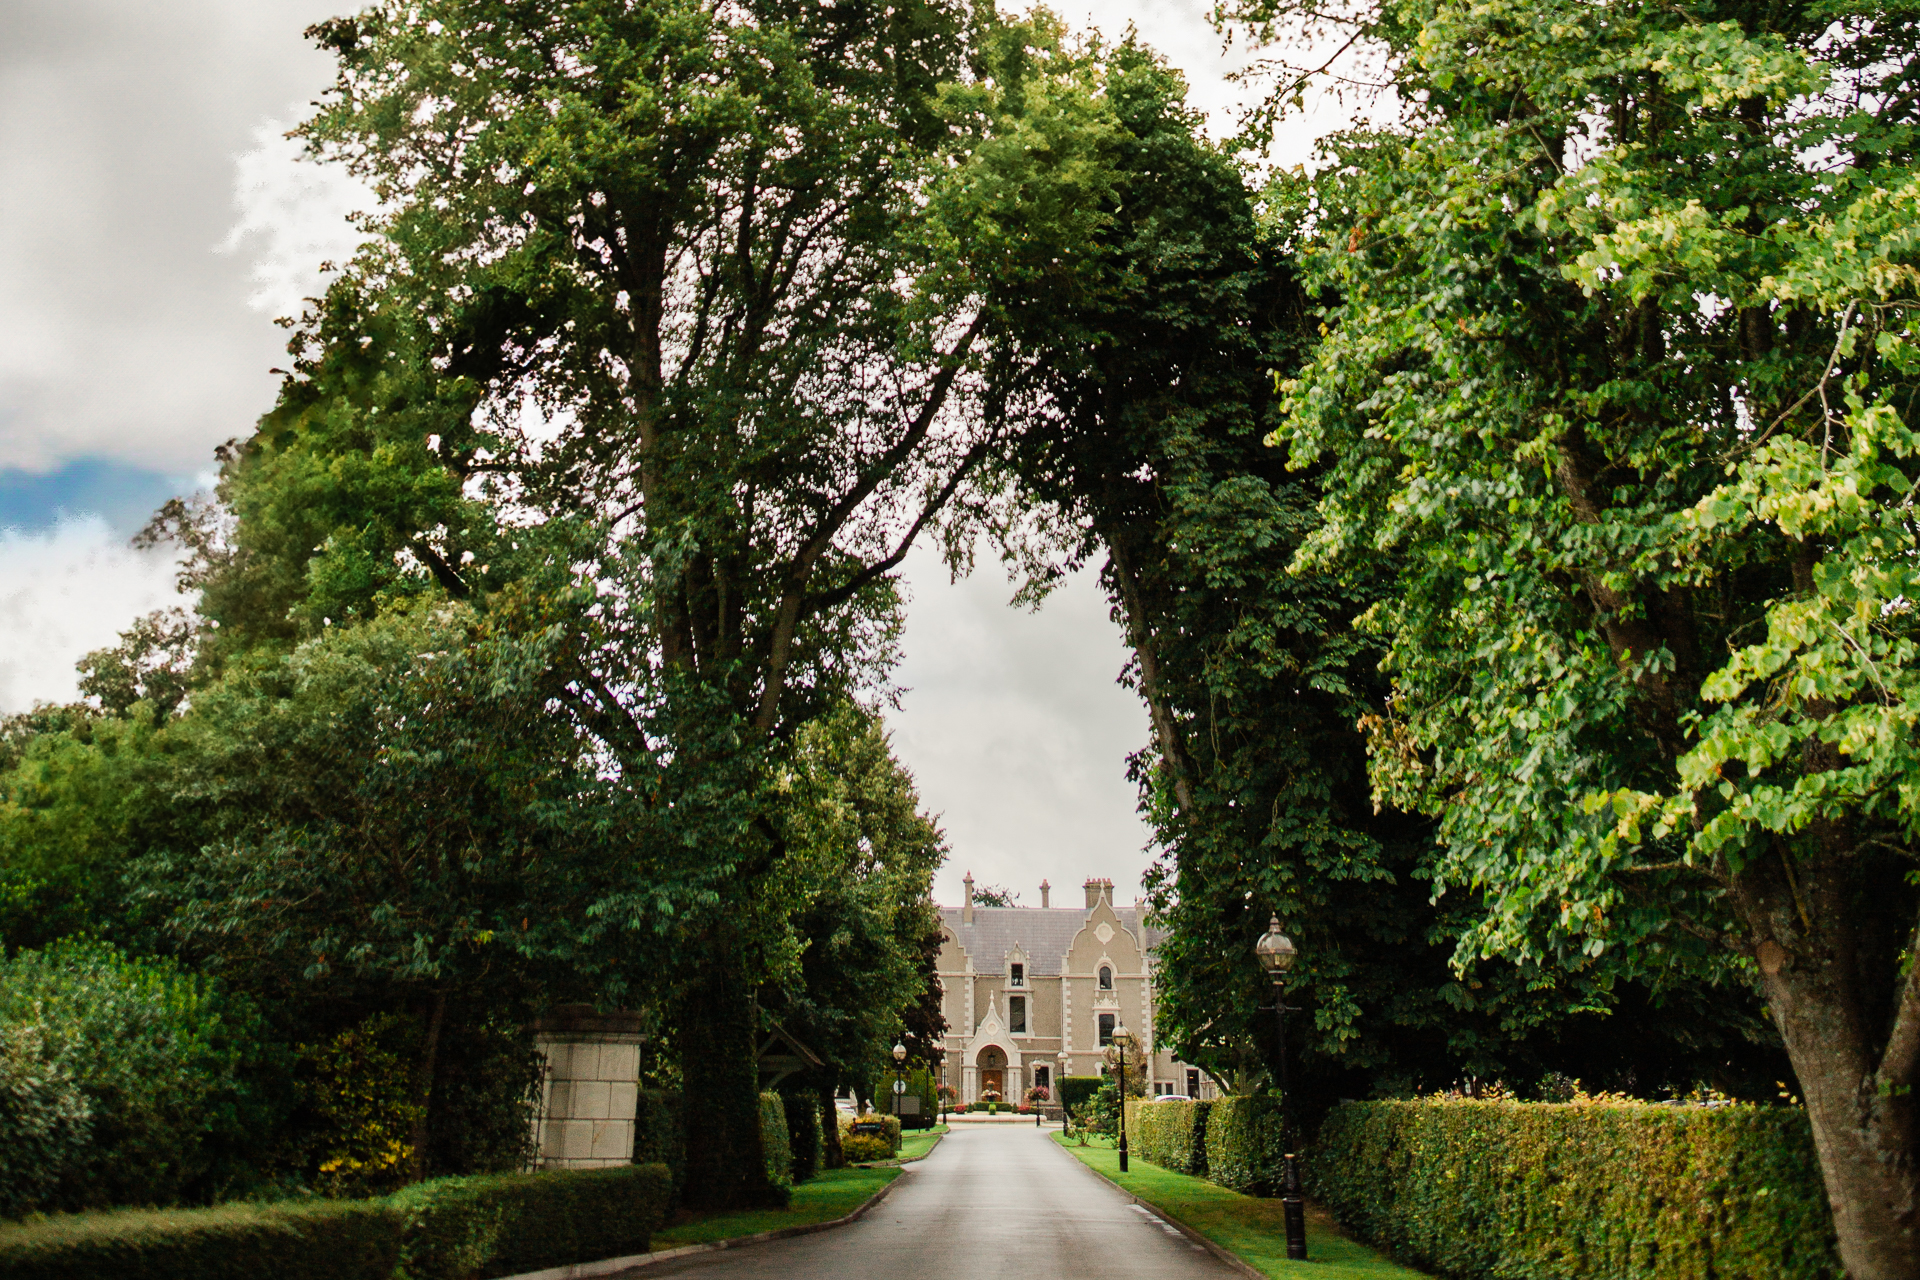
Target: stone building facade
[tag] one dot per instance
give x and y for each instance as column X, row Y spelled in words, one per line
column 1023, row 985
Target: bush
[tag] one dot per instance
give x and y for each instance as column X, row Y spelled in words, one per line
column 857, row 1148
column 43, row 1121
column 660, row 1136
column 804, row 1136
column 176, row 1075
column 1170, row 1134
column 504, row 1224
column 1598, row 1190
column 889, row 1130
column 1075, row 1091
column 774, row 1140
column 320, row 1240
column 1244, row 1143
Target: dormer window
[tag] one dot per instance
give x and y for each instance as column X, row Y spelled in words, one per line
column 1106, row 978
column 1017, row 976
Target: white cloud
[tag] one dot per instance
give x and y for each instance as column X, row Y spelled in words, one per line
column 63, row 593
column 293, row 218
column 1018, row 735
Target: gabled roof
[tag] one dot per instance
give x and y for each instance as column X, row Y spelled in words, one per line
column 1045, row 932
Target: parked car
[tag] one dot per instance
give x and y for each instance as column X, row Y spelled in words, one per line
column 1173, row 1097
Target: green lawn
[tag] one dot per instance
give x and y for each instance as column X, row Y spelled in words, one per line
column 832, row 1194
column 915, row 1143
column 1248, row 1226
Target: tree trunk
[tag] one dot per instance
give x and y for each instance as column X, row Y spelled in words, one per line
column 833, row 1158
column 423, row 1089
column 720, row 1092
column 1831, row 1012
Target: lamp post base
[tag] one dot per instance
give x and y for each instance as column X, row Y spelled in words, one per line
column 1295, row 1212
column 1123, row 1153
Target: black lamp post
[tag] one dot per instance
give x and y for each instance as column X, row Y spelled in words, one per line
column 1276, row 955
column 899, row 1076
column 1062, row 1062
column 1121, row 1039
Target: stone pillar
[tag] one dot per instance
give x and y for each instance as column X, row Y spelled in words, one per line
column 592, row 1087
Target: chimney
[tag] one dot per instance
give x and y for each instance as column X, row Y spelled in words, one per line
column 1098, row 889
column 966, row 906
column 1044, row 887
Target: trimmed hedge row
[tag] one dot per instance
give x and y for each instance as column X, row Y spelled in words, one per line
column 448, row 1229
column 1244, row 1144
column 804, row 1136
column 504, row 1224
column 1599, row 1191
column 1172, row 1135
column 1074, row 1090
column 326, row 1240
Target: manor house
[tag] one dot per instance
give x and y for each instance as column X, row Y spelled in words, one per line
column 1032, row 993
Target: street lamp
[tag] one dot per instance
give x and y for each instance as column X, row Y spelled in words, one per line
column 899, row 1075
column 1063, row 1063
column 1276, row 954
column 1121, row 1039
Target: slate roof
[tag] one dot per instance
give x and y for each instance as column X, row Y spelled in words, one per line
column 1045, row 932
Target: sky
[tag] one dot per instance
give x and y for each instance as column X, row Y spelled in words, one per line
column 153, row 222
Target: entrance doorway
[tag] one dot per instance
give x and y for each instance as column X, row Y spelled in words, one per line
column 993, row 1074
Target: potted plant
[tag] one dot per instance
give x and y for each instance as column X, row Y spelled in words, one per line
column 992, row 1098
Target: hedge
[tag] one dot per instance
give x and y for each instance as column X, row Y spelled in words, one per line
column 504, row 1224
column 321, row 1240
column 774, row 1141
column 1075, row 1090
column 660, row 1135
column 804, row 1137
column 1169, row 1134
column 448, row 1229
column 1245, row 1147
column 1599, row 1191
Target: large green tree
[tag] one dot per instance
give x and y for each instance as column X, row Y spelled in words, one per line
column 1134, row 349
column 657, row 258
column 1617, row 377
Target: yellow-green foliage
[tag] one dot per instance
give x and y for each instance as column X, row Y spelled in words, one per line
column 1599, row 1190
column 1244, row 1147
column 1170, row 1134
column 889, row 1126
column 363, row 1091
column 857, row 1148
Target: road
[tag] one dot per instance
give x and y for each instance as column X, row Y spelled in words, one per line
column 993, row 1202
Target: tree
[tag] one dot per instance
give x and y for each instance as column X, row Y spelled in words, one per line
column 662, row 251
column 1615, row 378
column 1137, row 366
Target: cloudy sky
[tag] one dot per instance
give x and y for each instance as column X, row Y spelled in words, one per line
column 152, row 223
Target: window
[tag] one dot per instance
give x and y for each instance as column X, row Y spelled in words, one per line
column 1042, row 1077
column 1017, row 1015
column 1018, row 978
column 1106, row 978
column 1161, row 1088
column 1106, row 1028
column 1193, row 1083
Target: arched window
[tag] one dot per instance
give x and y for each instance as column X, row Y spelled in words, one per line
column 1106, row 978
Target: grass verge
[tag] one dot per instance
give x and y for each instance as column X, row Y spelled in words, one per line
column 1249, row 1227
column 916, row 1143
column 833, row 1193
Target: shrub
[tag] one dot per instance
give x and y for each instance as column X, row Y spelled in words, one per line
column 504, row 1224
column 1244, row 1143
column 774, row 1140
column 889, row 1129
column 1075, row 1091
column 857, row 1148
column 177, row 1075
column 804, row 1134
column 660, row 1136
column 319, row 1240
column 1601, row 1191
column 43, row 1121
column 1170, row 1134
